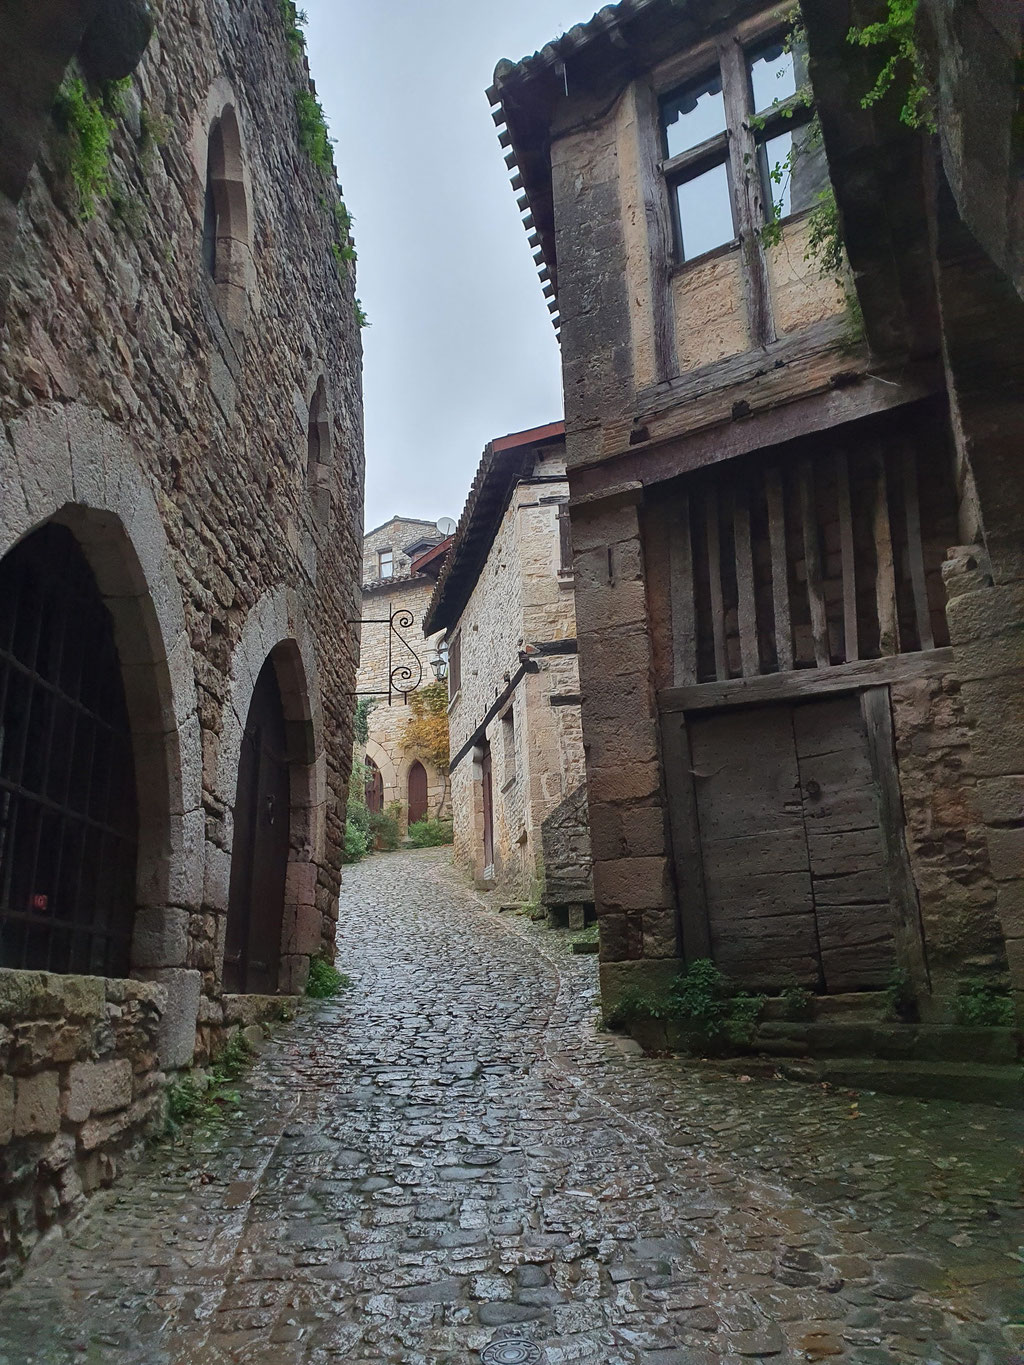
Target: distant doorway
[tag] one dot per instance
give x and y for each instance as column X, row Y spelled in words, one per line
column 417, row 793
column 485, row 777
column 259, row 854
column 374, row 788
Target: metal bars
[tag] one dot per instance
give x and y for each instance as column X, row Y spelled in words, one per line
column 68, row 820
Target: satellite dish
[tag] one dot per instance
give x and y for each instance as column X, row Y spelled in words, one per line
column 446, row 526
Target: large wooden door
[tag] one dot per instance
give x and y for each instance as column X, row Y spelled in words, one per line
column 794, row 864
column 485, row 775
column 417, row 793
column 259, row 853
column 374, row 788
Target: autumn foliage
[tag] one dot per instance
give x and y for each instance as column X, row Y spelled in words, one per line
column 426, row 731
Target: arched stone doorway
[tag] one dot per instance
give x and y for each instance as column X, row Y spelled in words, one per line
column 259, row 855
column 417, row 793
column 374, row 788
column 69, row 819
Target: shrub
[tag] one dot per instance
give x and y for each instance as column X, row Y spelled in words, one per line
column 313, row 136
column 198, row 1098
column 707, row 1006
column 384, row 826
column 357, row 830
column 980, row 1005
column 797, row 1001
column 431, row 833
column 88, row 127
column 324, row 979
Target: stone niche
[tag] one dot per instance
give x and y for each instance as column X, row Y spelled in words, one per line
column 80, row 1088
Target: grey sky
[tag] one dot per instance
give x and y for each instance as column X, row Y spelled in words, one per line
column 461, row 347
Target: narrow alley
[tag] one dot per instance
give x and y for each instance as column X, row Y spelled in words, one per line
column 449, row 1162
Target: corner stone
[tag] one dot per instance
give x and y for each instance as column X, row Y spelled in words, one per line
column 37, row 1104
column 177, row 1037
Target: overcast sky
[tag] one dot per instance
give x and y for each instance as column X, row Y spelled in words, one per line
column 460, row 347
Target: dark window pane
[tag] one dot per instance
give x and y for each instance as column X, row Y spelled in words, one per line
column 704, row 212
column 691, row 115
column 772, row 76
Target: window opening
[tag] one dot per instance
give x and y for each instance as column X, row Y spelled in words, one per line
column 454, row 665
column 68, row 817
column 508, row 742
column 386, row 564
column 693, row 125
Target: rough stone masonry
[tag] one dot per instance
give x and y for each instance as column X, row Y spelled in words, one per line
column 180, row 388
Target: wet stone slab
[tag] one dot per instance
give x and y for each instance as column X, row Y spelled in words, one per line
column 451, row 1160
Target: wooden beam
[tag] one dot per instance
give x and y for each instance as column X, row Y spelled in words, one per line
column 747, row 603
column 685, row 830
column 715, row 579
column 745, row 177
column 659, row 233
column 885, row 568
column 780, row 568
column 805, row 683
column 877, row 712
column 842, row 473
column 912, row 507
column 812, row 563
column 681, row 594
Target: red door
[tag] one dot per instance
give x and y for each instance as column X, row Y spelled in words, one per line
column 374, row 788
column 259, row 853
column 417, row 793
column 485, row 773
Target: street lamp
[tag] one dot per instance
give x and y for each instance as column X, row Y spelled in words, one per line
column 439, row 663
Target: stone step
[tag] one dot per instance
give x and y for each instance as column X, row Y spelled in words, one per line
column 961, row 1081
column 859, row 1005
column 892, row 1041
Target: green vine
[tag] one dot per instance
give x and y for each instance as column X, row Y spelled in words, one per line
column 313, row 136
column 88, row 123
column 294, row 20
column 361, row 720
column 904, row 65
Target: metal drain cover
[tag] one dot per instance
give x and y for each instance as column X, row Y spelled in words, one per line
column 511, row 1351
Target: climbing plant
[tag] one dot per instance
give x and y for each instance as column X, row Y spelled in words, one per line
column 426, row 731
column 361, row 720
column 903, row 68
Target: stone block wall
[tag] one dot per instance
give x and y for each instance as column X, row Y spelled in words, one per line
column 387, row 723
column 394, row 535
column 80, row 1088
column 520, row 624
column 165, row 417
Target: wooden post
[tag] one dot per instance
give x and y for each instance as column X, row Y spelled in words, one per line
column 684, row 620
column 812, row 563
column 686, row 849
column 885, row 568
column 915, row 549
column 842, row 471
column 877, row 712
column 659, row 232
column 715, row 579
column 747, row 604
column 780, row 568
column 747, row 192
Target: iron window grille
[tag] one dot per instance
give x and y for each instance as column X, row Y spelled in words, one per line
column 68, row 814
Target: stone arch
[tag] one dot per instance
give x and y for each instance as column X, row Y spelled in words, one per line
column 383, row 760
column 71, row 466
column 223, row 199
column 276, row 629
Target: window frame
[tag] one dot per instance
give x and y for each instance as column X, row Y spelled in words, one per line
column 390, row 556
column 739, row 145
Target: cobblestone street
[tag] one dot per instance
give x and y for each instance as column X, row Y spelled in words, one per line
column 450, row 1155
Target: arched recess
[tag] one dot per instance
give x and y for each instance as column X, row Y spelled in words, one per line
column 276, row 634
column 70, row 466
column 320, row 455
column 223, row 202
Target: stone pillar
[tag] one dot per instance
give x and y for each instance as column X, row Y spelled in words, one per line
column 986, row 626
column 632, row 877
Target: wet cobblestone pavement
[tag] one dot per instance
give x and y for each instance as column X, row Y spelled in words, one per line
column 450, row 1156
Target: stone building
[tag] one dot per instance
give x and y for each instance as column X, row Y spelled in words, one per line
column 796, row 491
column 401, row 562
column 505, row 601
column 181, row 469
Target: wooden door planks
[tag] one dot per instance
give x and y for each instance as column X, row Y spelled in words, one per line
column 686, row 841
